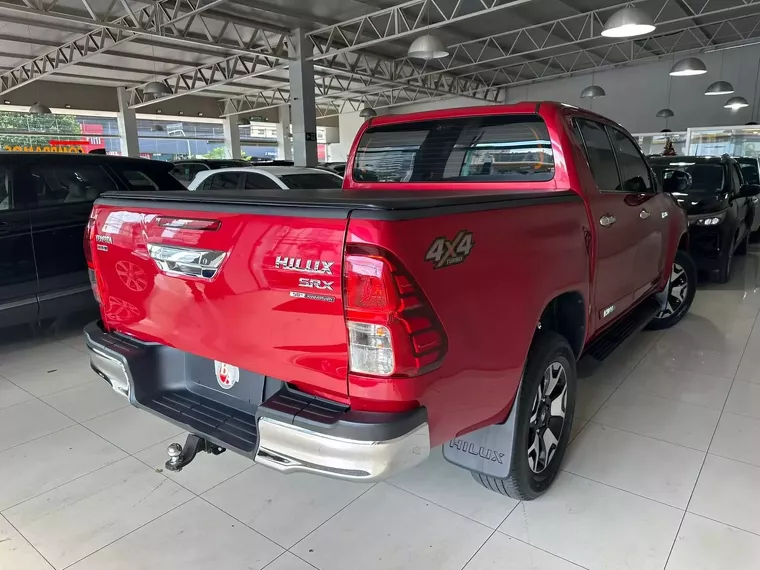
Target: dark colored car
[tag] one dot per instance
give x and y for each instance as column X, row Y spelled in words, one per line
column 185, row 170
column 751, row 174
column 718, row 204
column 45, row 202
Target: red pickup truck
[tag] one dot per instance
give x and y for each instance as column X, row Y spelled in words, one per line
column 441, row 298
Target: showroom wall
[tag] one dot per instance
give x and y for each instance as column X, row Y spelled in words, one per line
column 635, row 93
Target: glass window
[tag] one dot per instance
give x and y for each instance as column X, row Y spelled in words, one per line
column 225, row 181
column 255, row 181
column 186, row 172
column 512, row 148
column 633, row 167
column 313, row 181
column 63, row 185
column 750, row 171
column 149, row 178
column 706, row 177
column 599, row 153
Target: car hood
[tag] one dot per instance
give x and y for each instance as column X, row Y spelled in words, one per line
column 703, row 203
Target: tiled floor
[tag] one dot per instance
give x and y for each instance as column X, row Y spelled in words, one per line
column 663, row 472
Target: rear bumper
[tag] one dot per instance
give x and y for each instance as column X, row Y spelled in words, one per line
column 288, row 431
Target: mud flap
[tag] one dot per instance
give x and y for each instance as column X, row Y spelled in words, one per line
column 488, row 450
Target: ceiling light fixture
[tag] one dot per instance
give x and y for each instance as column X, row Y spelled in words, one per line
column 367, row 113
column 592, row 91
column 719, row 88
column 428, row 46
column 40, row 109
column 181, row 113
column 688, row 66
column 736, row 103
column 665, row 114
column 200, row 113
column 156, row 88
column 7, row 102
column 159, row 111
column 628, row 22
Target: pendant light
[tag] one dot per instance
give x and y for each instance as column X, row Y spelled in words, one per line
column 40, row 109
column 37, row 108
column 688, row 66
column 736, row 103
column 368, row 113
column 155, row 88
column 628, row 22
column 427, row 47
column 720, row 87
column 665, row 113
column 592, row 91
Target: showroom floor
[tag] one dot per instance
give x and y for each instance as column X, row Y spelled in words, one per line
column 663, row 471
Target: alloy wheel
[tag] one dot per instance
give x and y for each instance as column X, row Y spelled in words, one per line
column 679, row 289
column 547, row 417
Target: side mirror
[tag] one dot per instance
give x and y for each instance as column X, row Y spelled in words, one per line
column 676, row 181
column 749, row 190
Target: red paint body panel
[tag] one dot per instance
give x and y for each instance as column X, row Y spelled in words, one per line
column 489, row 305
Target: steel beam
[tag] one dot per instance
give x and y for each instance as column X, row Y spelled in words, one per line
column 196, row 30
column 150, row 17
column 397, row 22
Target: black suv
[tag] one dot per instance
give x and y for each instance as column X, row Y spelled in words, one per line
column 45, row 202
column 718, row 204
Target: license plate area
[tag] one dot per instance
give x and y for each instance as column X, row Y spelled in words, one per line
column 242, row 390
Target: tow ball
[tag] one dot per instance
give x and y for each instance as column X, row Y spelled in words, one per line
column 180, row 456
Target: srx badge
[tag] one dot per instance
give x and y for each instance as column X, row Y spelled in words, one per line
column 443, row 252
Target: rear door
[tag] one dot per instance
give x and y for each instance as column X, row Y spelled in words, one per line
column 18, row 276
column 615, row 224
column 742, row 204
column 64, row 194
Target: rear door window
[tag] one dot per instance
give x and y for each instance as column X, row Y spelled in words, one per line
column 225, row 181
column 254, row 181
column 314, row 181
column 146, row 178
column 600, row 156
column 512, row 148
column 55, row 185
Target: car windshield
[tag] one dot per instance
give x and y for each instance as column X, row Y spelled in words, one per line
column 706, row 178
column 750, row 171
column 313, row 181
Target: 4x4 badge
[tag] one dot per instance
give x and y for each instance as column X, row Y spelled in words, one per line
column 444, row 253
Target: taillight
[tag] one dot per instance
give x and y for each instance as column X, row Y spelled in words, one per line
column 392, row 328
column 87, row 244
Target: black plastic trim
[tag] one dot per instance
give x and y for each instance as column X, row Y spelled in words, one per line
column 361, row 204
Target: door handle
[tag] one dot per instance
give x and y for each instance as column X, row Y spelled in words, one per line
column 644, row 214
column 607, row 220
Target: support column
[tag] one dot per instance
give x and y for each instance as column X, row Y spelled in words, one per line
column 284, row 143
column 127, row 121
column 302, row 100
column 232, row 136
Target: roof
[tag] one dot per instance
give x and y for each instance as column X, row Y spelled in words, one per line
column 690, row 159
column 275, row 170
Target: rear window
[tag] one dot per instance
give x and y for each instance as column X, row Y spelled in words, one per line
column 311, row 181
column 514, row 148
column 147, row 179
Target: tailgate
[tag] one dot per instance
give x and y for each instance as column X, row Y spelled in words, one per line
column 258, row 288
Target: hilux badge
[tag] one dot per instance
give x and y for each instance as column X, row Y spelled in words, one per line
column 227, row 375
column 304, row 265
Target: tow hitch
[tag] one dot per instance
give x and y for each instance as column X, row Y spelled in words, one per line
column 180, row 456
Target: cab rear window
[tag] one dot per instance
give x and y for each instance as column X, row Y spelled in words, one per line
column 513, row 148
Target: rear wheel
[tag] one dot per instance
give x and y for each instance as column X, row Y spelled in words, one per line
column 545, row 408
column 681, row 290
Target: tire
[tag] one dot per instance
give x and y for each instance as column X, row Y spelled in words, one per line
column 744, row 245
column 683, row 274
column 528, row 478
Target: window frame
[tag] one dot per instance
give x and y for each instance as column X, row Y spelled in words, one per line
column 740, row 177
